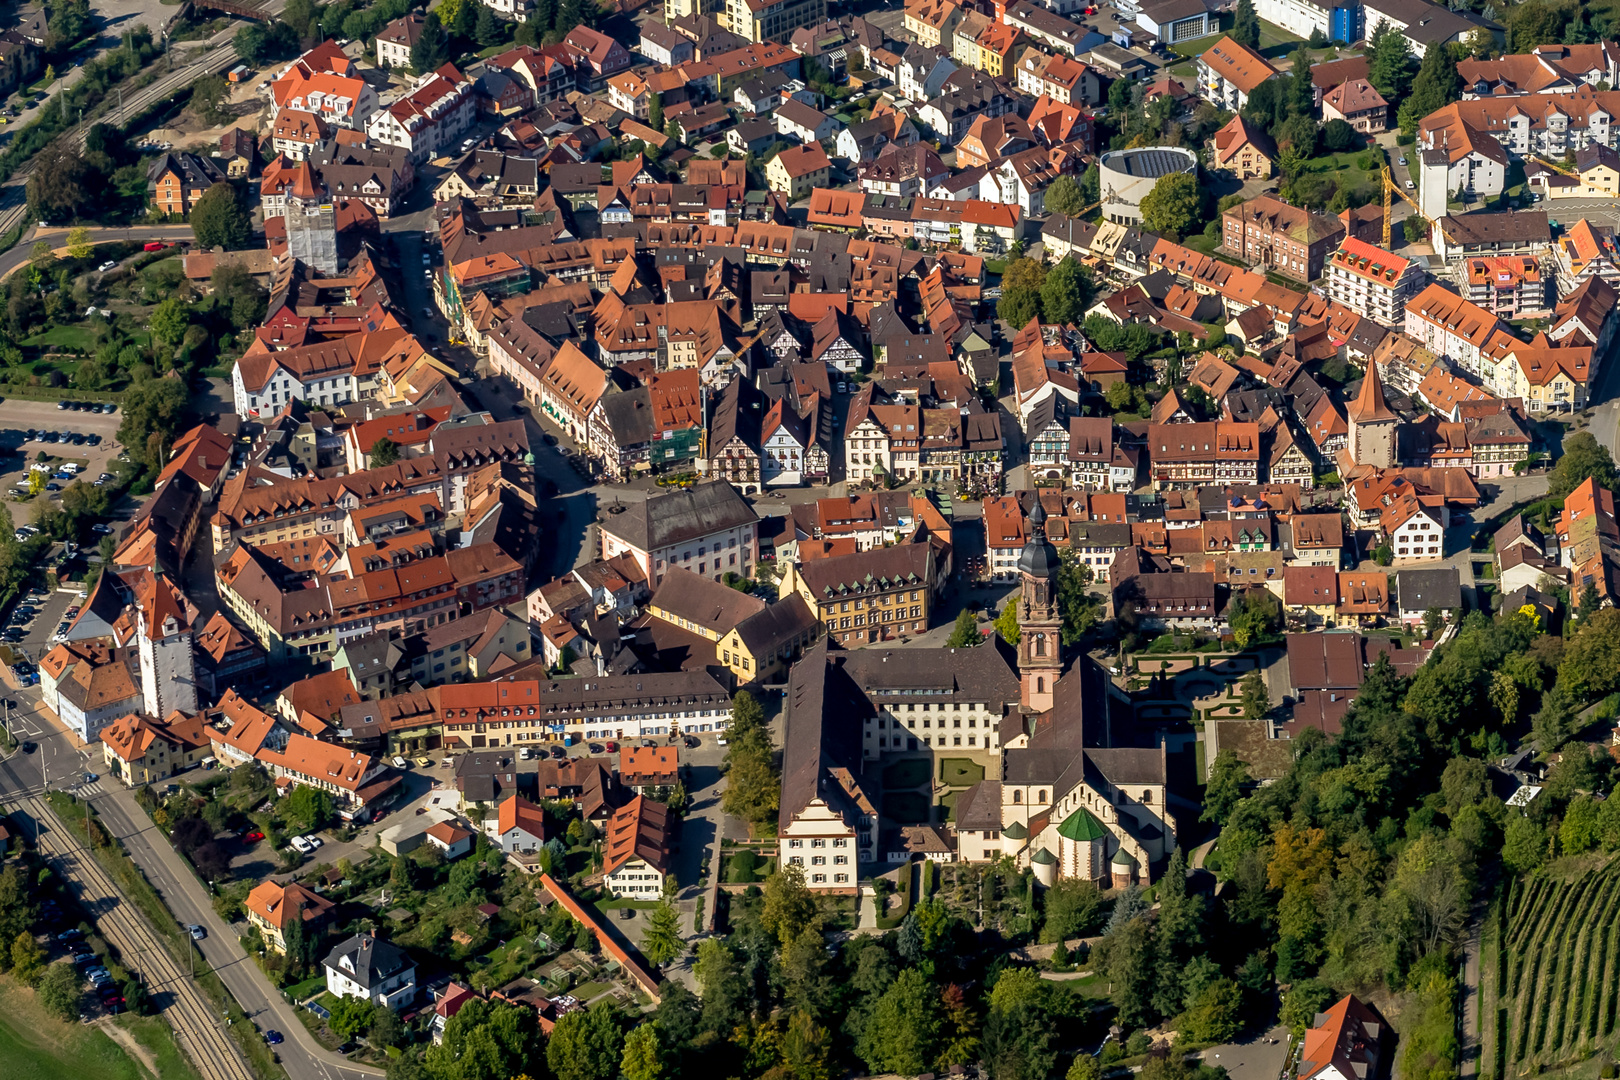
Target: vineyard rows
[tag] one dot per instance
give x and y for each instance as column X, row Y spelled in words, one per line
column 1558, row 970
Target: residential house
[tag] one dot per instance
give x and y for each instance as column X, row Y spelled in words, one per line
column 636, row 850
column 371, row 969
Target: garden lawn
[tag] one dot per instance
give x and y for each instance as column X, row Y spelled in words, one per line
column 586, row 991
column 947, row 803
column 71, row 336
column 34, row 1046
column 1344, row 171
column 908, row 773
column 960, row 772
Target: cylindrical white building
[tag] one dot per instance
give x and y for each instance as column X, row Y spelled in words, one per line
column 1126, row 176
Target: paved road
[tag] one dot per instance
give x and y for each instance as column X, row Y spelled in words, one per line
column 303, row 1058
column 57, row 237
column 59, row 763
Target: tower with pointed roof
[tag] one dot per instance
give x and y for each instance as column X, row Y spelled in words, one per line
column 1372, row 424
column 164, row 621
column 1040, row 660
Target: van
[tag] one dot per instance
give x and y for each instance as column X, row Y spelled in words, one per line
column 208, row 762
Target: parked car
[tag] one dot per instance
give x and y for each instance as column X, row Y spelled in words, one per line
column 106, row 266
column 558, row 752
column 596, row 748
column 425, row 761
column 300, row 845
column 401, row 763
column 252, row 837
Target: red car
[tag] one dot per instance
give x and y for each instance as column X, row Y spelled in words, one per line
column 155, row 245
column 612, row 748
column 252, row 837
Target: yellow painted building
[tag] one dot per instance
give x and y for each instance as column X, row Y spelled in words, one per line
column 795, row 171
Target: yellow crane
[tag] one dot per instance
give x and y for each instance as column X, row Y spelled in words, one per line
column 1391, row 189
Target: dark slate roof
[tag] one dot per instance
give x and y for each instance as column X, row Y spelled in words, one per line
column 681, row 515
column 371, row 960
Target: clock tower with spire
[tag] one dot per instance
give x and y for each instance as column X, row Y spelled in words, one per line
column 1040, row 661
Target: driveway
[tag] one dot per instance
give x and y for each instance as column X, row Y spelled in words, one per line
column 1261, row 1058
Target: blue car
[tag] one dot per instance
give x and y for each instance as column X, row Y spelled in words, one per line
column 272, row 1037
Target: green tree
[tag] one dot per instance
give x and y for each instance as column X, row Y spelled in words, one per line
column 385, row 451
column 78, row 242
column 1432, row 622
column 1007, row 622
column 1532, row 24
column 351, row 1016
column 586, row 1045
column 661, row 942
column 1301, row 92
column 753, row 790
column 1018, row 307
column 59, row 992
column 1246, row 25
column 1580, row 831
column 27, row 959
column 965, row 631
column 1066, row 293
column 1524, row 844
column 903, row 1035
column 1305, row 999
column 310, row 805
column 1437, row 85
column 432, row 48
column 488, row 1041
column 1583, row 458
column 62, row 183
column 488, row 28
column 1215, row 1015
column 1081, row 610
column 1065, row 196
column 1174, row 208
column 1073, row 909
column 209, row 96
column 169, row 322
column 655, row 112
column 642, row 1059
column 218, row 220
column 789, row 904
column 1228, row 777
column 1084, row 1067
column 1389, row 67
column 151, row 407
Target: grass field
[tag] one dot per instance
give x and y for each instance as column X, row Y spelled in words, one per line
column 33, row 1046
column 906, row 773
column 1554, row 988
column 960, row 772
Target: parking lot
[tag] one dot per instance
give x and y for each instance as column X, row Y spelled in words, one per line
column 16, row 452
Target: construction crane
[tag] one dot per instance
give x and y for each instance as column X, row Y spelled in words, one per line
column 1391, row 189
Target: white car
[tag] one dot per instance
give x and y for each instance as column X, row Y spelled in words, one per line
column 300, row 845
column 1410, row 185
column 312, row 840
column 400, row 763
column 106, row 266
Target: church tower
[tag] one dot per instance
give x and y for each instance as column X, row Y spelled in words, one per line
column 1040, row 660
column 1372, row 424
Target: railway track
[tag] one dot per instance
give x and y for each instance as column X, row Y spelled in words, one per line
column 141, row 949
column 220, row 56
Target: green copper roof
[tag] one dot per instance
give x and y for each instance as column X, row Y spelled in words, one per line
column 1081, row 827
column 1043, row 858
column 1122, row 859
column 1015, row 831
